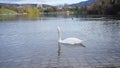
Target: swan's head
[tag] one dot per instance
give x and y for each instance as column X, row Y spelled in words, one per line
column 58, row 28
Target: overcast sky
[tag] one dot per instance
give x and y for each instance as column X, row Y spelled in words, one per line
column 50, row 2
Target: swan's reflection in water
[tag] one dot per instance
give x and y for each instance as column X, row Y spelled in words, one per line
column 59, row 49
column 68, row 45
column 59, row 56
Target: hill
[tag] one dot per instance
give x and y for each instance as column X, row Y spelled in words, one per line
column 83, row 3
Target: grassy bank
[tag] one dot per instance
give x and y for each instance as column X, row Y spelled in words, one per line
column 7, row 11
column 82, row 11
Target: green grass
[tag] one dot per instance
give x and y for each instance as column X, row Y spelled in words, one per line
column 82, row 11
column 7, row 11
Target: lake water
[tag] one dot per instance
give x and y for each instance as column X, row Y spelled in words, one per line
column 27, row 40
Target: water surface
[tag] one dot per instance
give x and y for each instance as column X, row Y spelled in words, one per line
column 26, row 39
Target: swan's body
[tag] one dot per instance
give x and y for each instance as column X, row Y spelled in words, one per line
column 71, row 40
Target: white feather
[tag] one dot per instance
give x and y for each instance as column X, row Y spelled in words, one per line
column 70, row 40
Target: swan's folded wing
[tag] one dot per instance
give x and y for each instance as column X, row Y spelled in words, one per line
column 72, row 41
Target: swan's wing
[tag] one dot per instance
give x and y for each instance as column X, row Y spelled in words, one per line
column 72, row 41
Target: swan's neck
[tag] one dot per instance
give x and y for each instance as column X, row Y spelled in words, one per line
column 59, row 35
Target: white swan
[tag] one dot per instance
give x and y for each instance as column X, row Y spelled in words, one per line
column 71, row 40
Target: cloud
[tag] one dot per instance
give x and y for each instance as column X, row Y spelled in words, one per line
column 51, row 2
column 31, row 1
column 8, row 1
column 22, row 1
column 63, row 1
